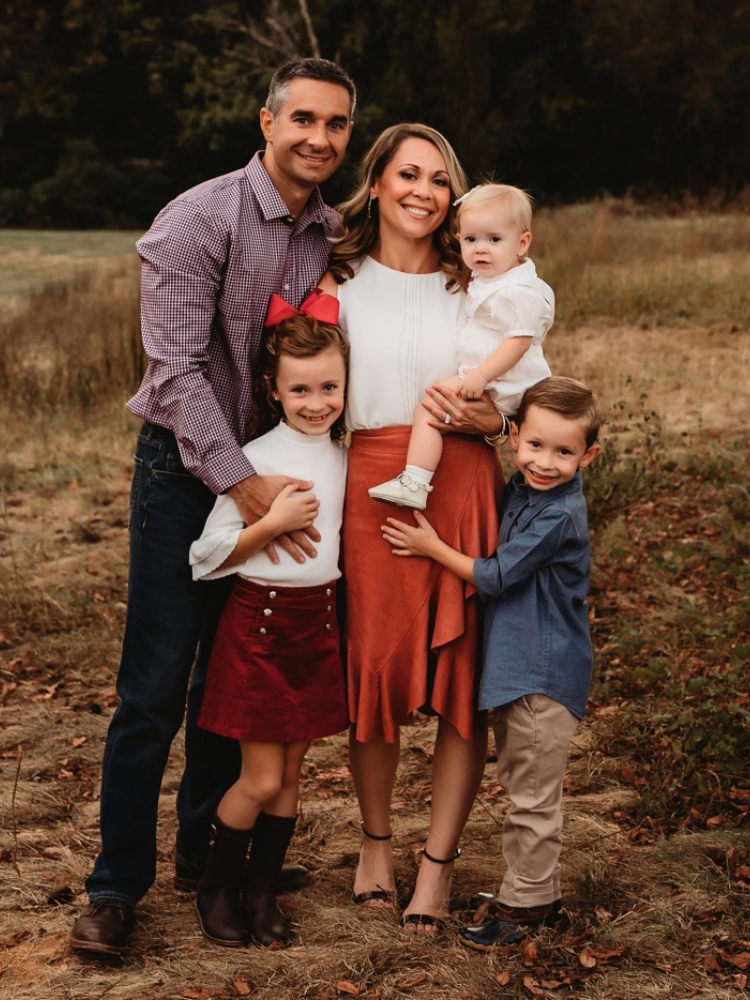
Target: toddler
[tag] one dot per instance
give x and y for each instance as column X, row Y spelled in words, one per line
column 508, row 313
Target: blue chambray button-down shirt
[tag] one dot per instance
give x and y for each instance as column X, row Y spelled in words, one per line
column 534, row 589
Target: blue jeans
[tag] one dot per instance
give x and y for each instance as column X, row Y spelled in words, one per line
column 168, row 615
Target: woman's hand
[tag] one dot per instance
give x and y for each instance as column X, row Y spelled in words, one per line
column 467, row 416
column 408, row 539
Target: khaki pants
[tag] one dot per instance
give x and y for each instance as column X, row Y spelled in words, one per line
column 532, row 736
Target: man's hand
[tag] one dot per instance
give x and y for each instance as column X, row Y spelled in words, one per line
column 254, row 497
column 477, row 416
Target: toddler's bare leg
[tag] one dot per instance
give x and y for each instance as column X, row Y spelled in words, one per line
column 425, row 443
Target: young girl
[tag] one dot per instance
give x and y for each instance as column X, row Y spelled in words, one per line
column 275, row 679
column 507, row 315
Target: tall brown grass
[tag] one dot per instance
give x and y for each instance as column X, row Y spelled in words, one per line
column 74, row 345
column 611, row 261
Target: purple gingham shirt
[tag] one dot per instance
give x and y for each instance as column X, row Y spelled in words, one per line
column 210, row 262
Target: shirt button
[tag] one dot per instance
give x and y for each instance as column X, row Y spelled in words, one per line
column 263, row 631
column 290, row 219
column 328, row 626
column 272, row 594
column 267, row 612
column 286, row 287
column 329, row 608
column 328, row 591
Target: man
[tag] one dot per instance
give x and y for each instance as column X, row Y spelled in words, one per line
column 210, row 262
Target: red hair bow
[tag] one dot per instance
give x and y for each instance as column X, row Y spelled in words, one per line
column 318, row 304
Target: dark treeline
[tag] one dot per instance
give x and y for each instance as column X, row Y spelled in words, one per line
column 108, row 109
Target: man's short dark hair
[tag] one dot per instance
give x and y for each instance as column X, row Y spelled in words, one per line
column 307, row 69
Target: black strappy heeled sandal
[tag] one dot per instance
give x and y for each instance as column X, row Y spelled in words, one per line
column 426, row 919
column 380, row 895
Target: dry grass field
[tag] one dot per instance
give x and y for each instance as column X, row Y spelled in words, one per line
column 655, row 314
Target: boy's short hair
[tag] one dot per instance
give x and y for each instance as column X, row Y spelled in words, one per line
column 568, row 397
column 307, row 69
column 514, row 200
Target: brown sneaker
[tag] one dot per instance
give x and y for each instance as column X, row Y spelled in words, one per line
column 104, row 927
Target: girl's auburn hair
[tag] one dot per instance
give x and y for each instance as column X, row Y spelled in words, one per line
column 300, row 336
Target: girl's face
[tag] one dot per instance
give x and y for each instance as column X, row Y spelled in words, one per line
column 311, row 390
column 491, row 242
column 413, row 192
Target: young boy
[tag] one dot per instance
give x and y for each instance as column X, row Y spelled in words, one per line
column 538, row 656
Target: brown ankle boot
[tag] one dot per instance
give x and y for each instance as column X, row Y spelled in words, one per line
column 266, row 924
column 217, row 900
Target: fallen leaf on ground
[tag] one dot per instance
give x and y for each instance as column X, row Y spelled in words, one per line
column 344, row 986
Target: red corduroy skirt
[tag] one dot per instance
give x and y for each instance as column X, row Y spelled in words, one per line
column 275, row 674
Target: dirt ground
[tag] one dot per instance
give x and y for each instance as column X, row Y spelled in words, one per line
column 646, row 920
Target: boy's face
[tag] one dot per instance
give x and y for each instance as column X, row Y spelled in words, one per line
column 550, row 448
column 491, row 242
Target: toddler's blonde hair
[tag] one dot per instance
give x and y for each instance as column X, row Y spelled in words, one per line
column 512, row 199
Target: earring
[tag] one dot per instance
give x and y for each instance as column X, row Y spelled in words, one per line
column 369, row 206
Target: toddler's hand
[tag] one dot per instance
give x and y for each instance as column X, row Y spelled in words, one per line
column 409, row 539
column 472, row 385
column 293, row 513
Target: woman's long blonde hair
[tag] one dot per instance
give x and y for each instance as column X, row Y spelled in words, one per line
column 360, row 216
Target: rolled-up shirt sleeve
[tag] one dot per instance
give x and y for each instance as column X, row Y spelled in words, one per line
column 517, row 560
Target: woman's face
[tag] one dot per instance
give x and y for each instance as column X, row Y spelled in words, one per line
column 413, row 192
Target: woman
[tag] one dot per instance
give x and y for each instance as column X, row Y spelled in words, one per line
column 413, row 630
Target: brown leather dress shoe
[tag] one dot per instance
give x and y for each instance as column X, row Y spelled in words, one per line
column 104, row 927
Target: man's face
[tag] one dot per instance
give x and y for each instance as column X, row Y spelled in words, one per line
column 307, row 142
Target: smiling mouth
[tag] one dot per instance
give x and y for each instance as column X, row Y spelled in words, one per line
column 419, row 213
column 316, row 160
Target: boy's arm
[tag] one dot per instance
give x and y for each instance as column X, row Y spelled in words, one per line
column 423, row 540
column 502, row 359
column 539, row 545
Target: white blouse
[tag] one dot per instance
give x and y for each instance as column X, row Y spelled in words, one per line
column 403, row 330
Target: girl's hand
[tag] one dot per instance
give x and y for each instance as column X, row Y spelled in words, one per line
column 408, row 539
column 293, row 513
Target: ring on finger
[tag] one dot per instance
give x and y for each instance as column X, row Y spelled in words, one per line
column 447, row 418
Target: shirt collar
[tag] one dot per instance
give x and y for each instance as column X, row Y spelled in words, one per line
column 272, row 204
column 523, row 274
